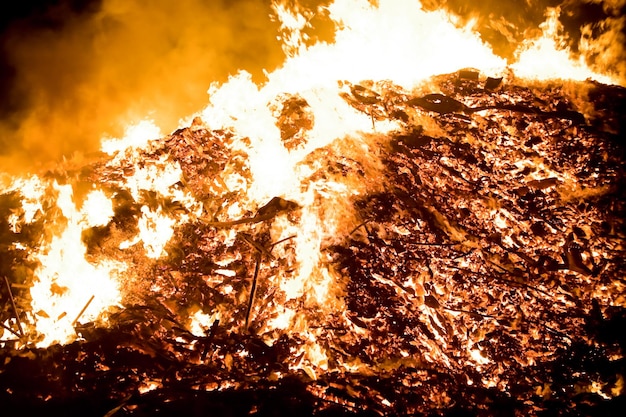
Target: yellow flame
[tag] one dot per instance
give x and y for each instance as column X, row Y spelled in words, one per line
column 292, row 22
column 548, row 57
column 155, row 230
column 136, row 135
column 32, row 190
column 201, row 322
column 396, row 40
column 68, row 288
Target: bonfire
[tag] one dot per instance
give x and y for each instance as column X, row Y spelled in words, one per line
column 360, row 235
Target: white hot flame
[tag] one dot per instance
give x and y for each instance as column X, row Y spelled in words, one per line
column 68, row 288
column 549, row 58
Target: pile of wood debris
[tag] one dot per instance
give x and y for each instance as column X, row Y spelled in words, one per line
column 487, row 278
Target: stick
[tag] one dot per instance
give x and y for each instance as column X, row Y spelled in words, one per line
column 83, row 310
column 253, row 289
column 501, row 318
column 435, row 244
column 17, row 316
column 486, row 316
column 10, row 329
column 504, row 280
column 261, row 250
column 281, row 241
column 359, row 226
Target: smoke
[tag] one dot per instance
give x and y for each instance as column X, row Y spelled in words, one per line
column 75, row 71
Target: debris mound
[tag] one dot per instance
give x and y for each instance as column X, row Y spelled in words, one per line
column 485, row 274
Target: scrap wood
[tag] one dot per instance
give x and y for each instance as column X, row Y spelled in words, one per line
column 253, row 286
column 15, row 311
column 261, row 250
column 83, row 310
column 10, row 330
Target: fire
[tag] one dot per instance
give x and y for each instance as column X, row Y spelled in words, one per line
column 394, row 40
column 32, row 190
column 549, row 58
column 269, row 180
column 136, row 135
column 69, row 288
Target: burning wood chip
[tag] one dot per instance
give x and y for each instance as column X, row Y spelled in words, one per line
column 439, row 103
column 272, row 209
column 294, row 121
column 492, row 83
column 364, row 95
column 543, row 184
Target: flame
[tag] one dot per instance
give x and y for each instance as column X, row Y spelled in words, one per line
column 32, row 191
column 68, row 287
column 136, row 135
column 370, row 43
column 394, row 40
column 548, row 56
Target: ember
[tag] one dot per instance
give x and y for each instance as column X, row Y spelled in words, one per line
column 376, row 246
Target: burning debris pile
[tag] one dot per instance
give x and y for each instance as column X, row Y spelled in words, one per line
column 468, row 260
